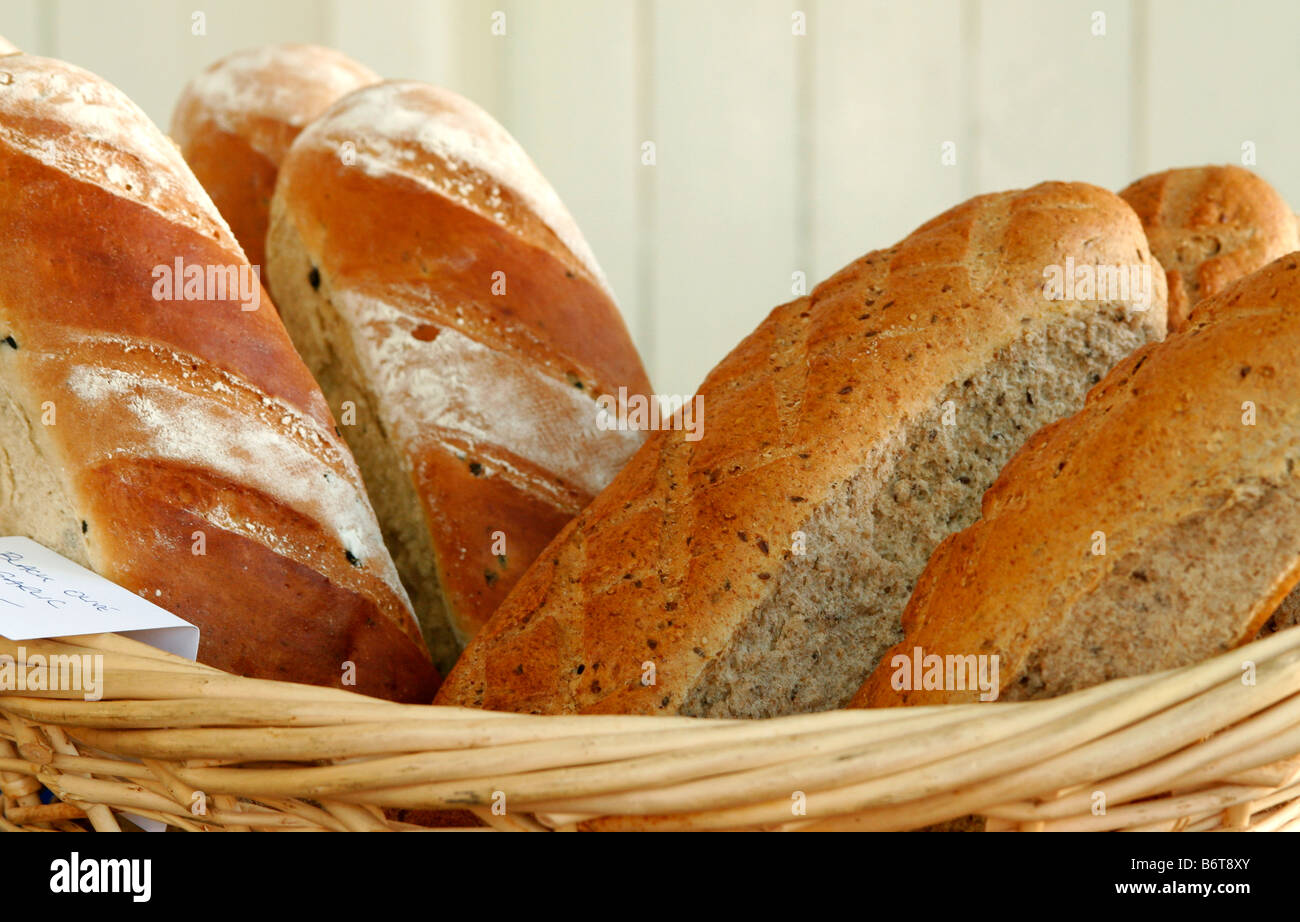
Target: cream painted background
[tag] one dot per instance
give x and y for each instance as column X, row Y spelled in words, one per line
column 776, row 153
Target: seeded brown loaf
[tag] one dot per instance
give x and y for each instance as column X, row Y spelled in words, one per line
column 179, row 448
column 462, row 331
column 235, row 121
column 1200, row 514
column 1209, row 226
column 824, row 433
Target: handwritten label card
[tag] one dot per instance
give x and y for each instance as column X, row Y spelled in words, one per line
column 43, row 594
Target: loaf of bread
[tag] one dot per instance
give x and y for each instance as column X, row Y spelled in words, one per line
column 1155, row 528
column 1209, row 226
column 462, row 331
column 235, row 121
column 762, row 569
column 157, row 425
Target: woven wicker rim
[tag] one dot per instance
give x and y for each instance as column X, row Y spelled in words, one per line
column 1197, row 748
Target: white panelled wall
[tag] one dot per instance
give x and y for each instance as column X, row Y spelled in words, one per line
column 788, row 136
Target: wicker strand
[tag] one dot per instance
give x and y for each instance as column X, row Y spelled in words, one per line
column 1187, row 749
column 99, row 815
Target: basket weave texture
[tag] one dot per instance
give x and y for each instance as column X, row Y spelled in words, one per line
column 1211, row 746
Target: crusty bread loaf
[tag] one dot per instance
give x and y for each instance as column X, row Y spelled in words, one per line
column 1198, row 507
column 461, row 330
column 1209, row 226
column 235, row 121
column 762, row 569
column 178, row 447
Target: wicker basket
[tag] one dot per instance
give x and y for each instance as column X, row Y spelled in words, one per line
column 1197, row 748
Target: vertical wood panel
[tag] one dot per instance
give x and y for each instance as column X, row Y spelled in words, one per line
column 445, row 42
column 147, row 49
column 571, row 102
column 886, row 93
column 1054, row 99
column 726, row 127
column 1220, row 75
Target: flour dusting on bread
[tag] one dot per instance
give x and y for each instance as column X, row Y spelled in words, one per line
column 269, row 81
column 177, row 424
column 85, row 127
column 418, row 131
column 451, row 385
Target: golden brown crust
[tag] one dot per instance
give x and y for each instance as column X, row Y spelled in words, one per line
column 1158, row 458
column 241, row 182
column 477, row 317
column 669, row 561
column 1209, row 226
column 181, row 418
column 234, row 123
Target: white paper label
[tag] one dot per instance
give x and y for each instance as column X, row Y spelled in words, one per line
column 43, row 594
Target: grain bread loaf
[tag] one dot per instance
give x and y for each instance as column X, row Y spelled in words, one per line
column 462, row 331
column 165, row 435
column 1209, row 226
column 235, row 121
column 761, row 570
column 1158, row 526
